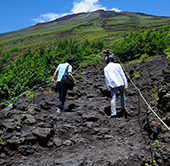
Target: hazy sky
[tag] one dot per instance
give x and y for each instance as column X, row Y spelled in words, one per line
column 19, row 14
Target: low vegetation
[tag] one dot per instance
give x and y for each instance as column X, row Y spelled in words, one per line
column 149, row 42
column 34, row 68
column 28, row 57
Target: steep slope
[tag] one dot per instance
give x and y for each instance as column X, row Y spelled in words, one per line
column 108, row 26
column 34, row 134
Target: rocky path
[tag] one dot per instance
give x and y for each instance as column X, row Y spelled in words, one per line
column 33, row 132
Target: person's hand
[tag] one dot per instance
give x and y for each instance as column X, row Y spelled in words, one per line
column 111, row 87
column 53, row 81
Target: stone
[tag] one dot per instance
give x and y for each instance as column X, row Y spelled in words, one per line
column 57, row 142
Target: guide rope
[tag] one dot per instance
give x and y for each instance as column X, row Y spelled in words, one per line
column 142, row 95
column 35, row 87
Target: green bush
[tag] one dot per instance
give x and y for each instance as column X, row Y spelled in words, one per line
column 34, row 68
column 167, row 52
column 136, row 75
column 140, row 42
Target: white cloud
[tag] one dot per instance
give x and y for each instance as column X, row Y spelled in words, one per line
column 86, row 6
column 78, row 7
column 48, row 17
column 115, row 9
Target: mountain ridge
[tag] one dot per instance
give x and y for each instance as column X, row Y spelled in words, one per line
column 105, row 21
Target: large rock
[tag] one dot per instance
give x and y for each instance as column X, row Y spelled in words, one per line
column 43, row 135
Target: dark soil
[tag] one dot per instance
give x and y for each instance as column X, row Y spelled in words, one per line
column 33, row 133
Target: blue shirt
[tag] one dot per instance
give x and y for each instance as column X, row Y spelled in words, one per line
column 114, row 75
column 111, row 55
column 61, row 70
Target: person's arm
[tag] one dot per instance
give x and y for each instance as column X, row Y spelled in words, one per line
column 123, row 77
column 72, row 77
column 107, row 80
column 53, row 80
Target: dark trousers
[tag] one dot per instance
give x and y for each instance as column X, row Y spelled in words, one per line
column 62, row 94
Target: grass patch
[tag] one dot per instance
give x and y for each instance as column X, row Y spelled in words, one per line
column 78, row 75
column 154, row 94
column 136, row 75
column 1, row 144
column 31, row 94
column 91, row 59
column 143, row 58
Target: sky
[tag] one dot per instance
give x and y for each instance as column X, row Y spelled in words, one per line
column 19, row 14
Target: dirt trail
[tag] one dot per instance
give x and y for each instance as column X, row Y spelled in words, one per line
column 34, row 134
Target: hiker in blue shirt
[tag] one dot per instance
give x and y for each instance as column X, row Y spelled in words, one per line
column 111, row 55
column 60, row 70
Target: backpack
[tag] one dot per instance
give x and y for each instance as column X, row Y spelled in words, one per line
column 67, row 80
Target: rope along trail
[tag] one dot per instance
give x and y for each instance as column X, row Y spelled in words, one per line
column 127, row 76
column 142, row 96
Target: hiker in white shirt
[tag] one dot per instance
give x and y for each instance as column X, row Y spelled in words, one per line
column 116, row 81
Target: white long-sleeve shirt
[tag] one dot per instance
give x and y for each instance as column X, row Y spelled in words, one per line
column 114, row 75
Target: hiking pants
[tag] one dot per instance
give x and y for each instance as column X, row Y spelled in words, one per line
column 62, row 94
column 114, row 91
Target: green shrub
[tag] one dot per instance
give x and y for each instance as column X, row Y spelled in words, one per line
column 154, row 94
column 1, row 144
column 16, row 50
column 167, row 51
column 140, row 42
column 143, row 57
column 78, row 75
column 136, row 75
column 33, row 68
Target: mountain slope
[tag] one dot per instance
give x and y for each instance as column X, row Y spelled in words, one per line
column 34, row 134
column 107, row 26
